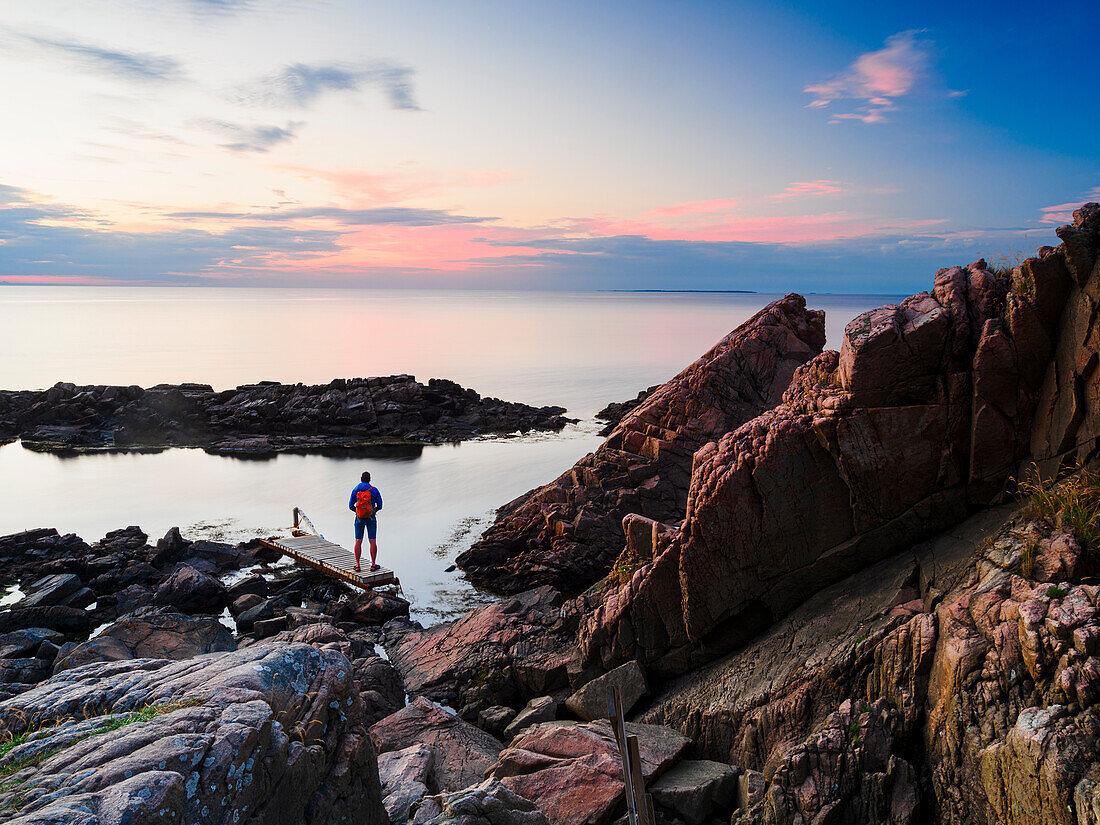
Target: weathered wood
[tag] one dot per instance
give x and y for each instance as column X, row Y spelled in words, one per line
column 331, row 559
column 637, row 781
column 639, row 804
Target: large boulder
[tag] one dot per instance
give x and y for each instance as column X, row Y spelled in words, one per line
column 498, row 653
column 59, row 588
column 271, row 736
column 154, row 636
column 694, row 789
column 371, row 607
column 192, row 591
column 949, row 663
column 21, row 643
column 590, row 701
column 568, row 533
column 573, row 771
column 461, row 753
column 405, row 775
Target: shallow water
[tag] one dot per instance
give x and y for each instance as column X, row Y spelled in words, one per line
column 579, row 350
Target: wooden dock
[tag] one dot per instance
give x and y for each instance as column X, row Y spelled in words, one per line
column 314, row 550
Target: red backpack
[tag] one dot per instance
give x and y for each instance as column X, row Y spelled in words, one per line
column 364, row 503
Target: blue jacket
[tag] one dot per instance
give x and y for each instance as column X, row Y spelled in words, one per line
column 375, row 496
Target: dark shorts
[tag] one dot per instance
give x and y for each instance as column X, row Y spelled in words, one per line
column 372, row 528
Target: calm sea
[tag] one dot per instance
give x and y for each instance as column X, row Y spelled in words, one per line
column 577, row 350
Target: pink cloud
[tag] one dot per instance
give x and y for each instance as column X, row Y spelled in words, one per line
column 1063, row 212
column 359, row 187
column 875, row 79
column 829, row 226
column 693, row 208
column 809, row 188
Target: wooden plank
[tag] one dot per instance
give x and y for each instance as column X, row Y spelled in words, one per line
column 312, row 544
column 331, row 559
column 306, row 541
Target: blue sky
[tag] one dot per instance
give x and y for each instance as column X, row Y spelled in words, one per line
column 699, row 145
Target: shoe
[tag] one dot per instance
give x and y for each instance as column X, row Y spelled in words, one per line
column 374, row 567
column 357, row 570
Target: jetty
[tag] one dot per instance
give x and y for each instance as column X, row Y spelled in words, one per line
column 307, row 546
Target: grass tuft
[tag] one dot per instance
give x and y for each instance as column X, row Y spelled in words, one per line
column 1072, row 504
column 1027, row 560
column 1056, row 592
column 143, row 714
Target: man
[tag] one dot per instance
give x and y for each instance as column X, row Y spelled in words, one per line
column 365, row 502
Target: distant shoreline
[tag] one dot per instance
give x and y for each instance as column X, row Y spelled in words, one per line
column 705, row 291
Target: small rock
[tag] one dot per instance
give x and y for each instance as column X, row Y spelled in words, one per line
column 495, row 719
column 372, row 607
column 254, row 583
column 22, row 643
column 268, row 609
column 245, row 602
column 269, row 627
column 540, row 709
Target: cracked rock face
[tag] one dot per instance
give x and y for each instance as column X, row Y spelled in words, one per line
column 919, row 420
column 460, row 753
column 568, row 532
column 260, row 735
column 573, row 771
column 498, row 653
column 489, row 803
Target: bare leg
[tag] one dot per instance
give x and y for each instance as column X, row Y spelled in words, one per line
column 373, row 553
column 358, row 552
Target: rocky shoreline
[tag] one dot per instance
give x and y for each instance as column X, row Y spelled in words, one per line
column 367, row 416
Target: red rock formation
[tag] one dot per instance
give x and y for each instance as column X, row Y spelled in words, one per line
column 568, row 532
column 921, row 417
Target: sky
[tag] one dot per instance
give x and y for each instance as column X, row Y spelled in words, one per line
column 818, row 146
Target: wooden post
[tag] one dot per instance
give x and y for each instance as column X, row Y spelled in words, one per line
column 618, row 727
column 637, row 781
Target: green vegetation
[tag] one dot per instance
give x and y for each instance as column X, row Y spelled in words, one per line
column 1055, row 592
column 1072, row 504
column 8, row 786
column 625, row 566
column 1004, row 263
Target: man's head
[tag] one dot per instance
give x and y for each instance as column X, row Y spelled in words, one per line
column 365, row 478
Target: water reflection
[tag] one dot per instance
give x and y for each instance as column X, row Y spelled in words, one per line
column 578, row 350
column 436, row 504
